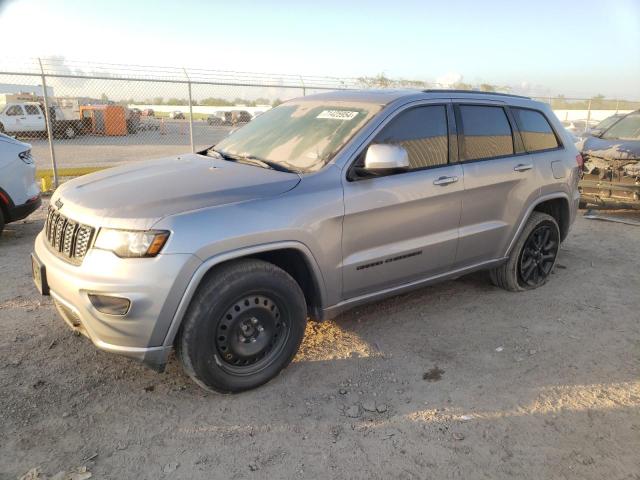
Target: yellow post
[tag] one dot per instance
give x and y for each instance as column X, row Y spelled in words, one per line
column 45, row 184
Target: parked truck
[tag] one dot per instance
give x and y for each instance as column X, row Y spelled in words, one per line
column 24, row 114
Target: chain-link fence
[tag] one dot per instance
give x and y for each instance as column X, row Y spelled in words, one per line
column 83, row 116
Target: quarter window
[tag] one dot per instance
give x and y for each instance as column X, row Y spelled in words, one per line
column 487, row 132
column 536, row 132
column 15, row 110
column 32, row 110
column 422, row 132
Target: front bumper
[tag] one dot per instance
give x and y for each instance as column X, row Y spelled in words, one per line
column 18, row 212
column 153, row 285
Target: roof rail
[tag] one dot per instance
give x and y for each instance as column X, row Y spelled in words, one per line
column 475, row 92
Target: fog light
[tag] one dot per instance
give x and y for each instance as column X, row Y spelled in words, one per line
column 110, row 305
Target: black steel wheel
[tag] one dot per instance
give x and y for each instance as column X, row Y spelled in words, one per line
column 243, row 326
column 250, row 334
column 538, row 255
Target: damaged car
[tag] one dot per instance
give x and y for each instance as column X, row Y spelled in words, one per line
column 612, row 165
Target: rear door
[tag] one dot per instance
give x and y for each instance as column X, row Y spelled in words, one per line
column 500, row 180
column 402, row 227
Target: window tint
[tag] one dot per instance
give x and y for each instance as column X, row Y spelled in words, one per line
column 535, row 130
column 487, row 132
column 422, row 132
column 32, row 110
column 15, row 110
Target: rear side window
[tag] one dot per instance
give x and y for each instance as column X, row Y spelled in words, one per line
column 422, row 132
column 535, row 130
column 32, row 110
column 486, row 132
column 15, row 110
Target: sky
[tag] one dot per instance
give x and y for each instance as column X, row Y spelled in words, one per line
column 546, row 47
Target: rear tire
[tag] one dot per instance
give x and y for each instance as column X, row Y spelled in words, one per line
column 1, row 221
column 69, row 132
column 533, row 256
column 243, row 326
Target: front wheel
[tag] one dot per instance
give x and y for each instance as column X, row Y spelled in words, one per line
column 244, row 325
column 533, row 256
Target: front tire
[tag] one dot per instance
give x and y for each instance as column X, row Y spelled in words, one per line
column 243, row 326
column 533, row 256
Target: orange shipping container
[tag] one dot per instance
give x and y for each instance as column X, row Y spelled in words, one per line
column 110, row 120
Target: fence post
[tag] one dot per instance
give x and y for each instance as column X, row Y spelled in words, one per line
column 588, row 114
column 304, row 89
column 47, row 119
column 617, row 105
column 193, row 147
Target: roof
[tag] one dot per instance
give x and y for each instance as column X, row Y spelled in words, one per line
column 386, row 96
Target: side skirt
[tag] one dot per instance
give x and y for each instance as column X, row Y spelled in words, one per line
column 335, row 310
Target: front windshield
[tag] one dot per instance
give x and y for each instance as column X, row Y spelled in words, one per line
column 301, row 136
column 607, row 122
column 626, row 129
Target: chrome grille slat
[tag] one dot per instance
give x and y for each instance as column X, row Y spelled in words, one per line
column 67, row 238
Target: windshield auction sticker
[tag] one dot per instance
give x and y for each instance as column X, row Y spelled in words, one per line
column 337, row 115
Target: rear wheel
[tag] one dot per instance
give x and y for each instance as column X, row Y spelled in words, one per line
column 244, row 325
column 1, row 221
column 69, row 131
column 533, row 256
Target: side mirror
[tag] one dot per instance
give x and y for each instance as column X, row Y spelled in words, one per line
column 382, row 158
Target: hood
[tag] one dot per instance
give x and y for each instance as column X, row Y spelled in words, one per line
column 13, row 141
column 138, row 195
column 627, row 150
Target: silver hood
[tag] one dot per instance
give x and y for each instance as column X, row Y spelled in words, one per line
column 138, row 195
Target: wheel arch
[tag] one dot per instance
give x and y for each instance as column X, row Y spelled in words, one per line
column 555, row 204
column 293, row 257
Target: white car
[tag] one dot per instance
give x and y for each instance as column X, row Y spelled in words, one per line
column 19, row 191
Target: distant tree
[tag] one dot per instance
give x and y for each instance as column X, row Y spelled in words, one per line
column 177, row 101
column 379, row 81
column 462, row 86
column 104, row 98
column 158, row 101
column 486, row 87
column 276, row 102
column 216, row 102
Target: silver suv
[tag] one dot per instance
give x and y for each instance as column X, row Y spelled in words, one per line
column 318, row 205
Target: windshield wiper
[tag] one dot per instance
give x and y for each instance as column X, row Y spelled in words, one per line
column 250, row 159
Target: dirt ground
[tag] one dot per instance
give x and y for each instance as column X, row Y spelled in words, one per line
column 459, row 380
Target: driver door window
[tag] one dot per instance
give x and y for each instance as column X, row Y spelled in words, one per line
column 422, row 132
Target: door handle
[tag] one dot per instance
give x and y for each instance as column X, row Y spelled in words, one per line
column 445, row 180
column 522, row 167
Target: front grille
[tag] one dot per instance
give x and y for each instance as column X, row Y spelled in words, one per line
column 69, row 239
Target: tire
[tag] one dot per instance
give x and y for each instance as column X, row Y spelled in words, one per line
column 1, row 221
column 243, row 326
column 527, row 257
column 69, row 132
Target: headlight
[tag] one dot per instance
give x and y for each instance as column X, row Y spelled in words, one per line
column 132, row 244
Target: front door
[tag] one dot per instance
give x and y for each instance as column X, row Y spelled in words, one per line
column 403, row 226
column 34, row 118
